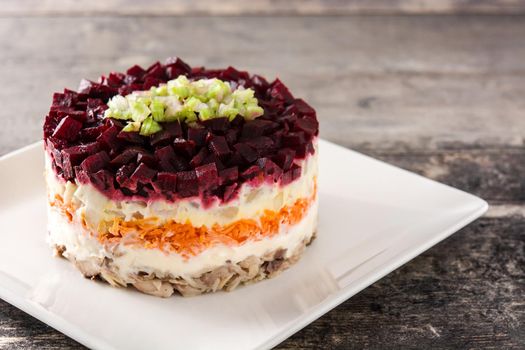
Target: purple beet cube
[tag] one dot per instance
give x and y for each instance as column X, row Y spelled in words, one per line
column 230, row 73
column 166, row 182
column 284, row 158
column 247, row 152
column 289, row 116
column 309, row 125
column 108, row 138
column 184, row 147
column 207, row 176
column 217, row 124
column 179, row 67
column 147, row 158
column 228, row 175
column 136, row 71
column 126, row 156
column 212, row 158
column 64, row 100
column 91, row 134
column 260, row 83
column 291, row 175
column 131, row 137
column 270, row 169
column 305, row 149
column 303, row 107
column 68, row 129
column 123, row 176
column 115, row 79
column 230, row 192
column 81, row 116
column 263, row 144
column 219, row 146
column 155, row 70
column 232, row 136
column 238, row 122
column 293, row 139
column 197, row 135
column 279, row 91
column 187, row 184
column 251, row 172
column 166, row 136
column 150, row 81
column 258, row 127
column 103, row 180
column 95, row 162
column 76, row 154
column 169, row 161
column 72, row 156
column 143, row 174
column 173, row 128
column 199, row 158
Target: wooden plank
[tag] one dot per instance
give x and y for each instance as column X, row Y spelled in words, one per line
column 388, row 83
column 493, row 174
column 257, row 7
column 465, row 293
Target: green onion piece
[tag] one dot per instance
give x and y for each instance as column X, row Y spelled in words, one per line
column 149, row 127
column 161, row 90
column 139, row 110
column 132, row 126
column 115, row 114
column 118, row 103
column 244, row 96
column 218, row 90
column 173, row 107
column 199, row 88
column 187, row 115
column 192, row 103
column 179, row 87
column 206, row 113
column 228, row 111
column 253, row 112
column 118, row 108
column 157, row 110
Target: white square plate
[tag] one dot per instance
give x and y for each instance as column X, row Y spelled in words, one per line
column 373, row 218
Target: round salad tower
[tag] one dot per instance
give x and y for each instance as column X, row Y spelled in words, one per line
column 182, row 179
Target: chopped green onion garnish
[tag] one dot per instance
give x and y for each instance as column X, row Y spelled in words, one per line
column 132, row 126
column 157, row 110
column 149, row 127
column 182, row 100
column 139, row 110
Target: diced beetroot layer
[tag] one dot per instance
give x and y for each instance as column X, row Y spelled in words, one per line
column 211, row 159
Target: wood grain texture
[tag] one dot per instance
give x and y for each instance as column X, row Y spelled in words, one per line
column 465, row 293
column 441, row 96
column 389, row 82
column 255, row 7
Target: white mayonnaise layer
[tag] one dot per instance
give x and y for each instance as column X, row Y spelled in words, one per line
column 250, row 204
column 131, row 260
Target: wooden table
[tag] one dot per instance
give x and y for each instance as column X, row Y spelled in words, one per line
column 443, row 96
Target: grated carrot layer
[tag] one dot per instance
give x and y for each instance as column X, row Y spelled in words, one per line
column 186, row 239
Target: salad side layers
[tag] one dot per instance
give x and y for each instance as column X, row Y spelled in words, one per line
column 183, row 179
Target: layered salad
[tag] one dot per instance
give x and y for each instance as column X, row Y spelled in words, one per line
column 180, row 179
